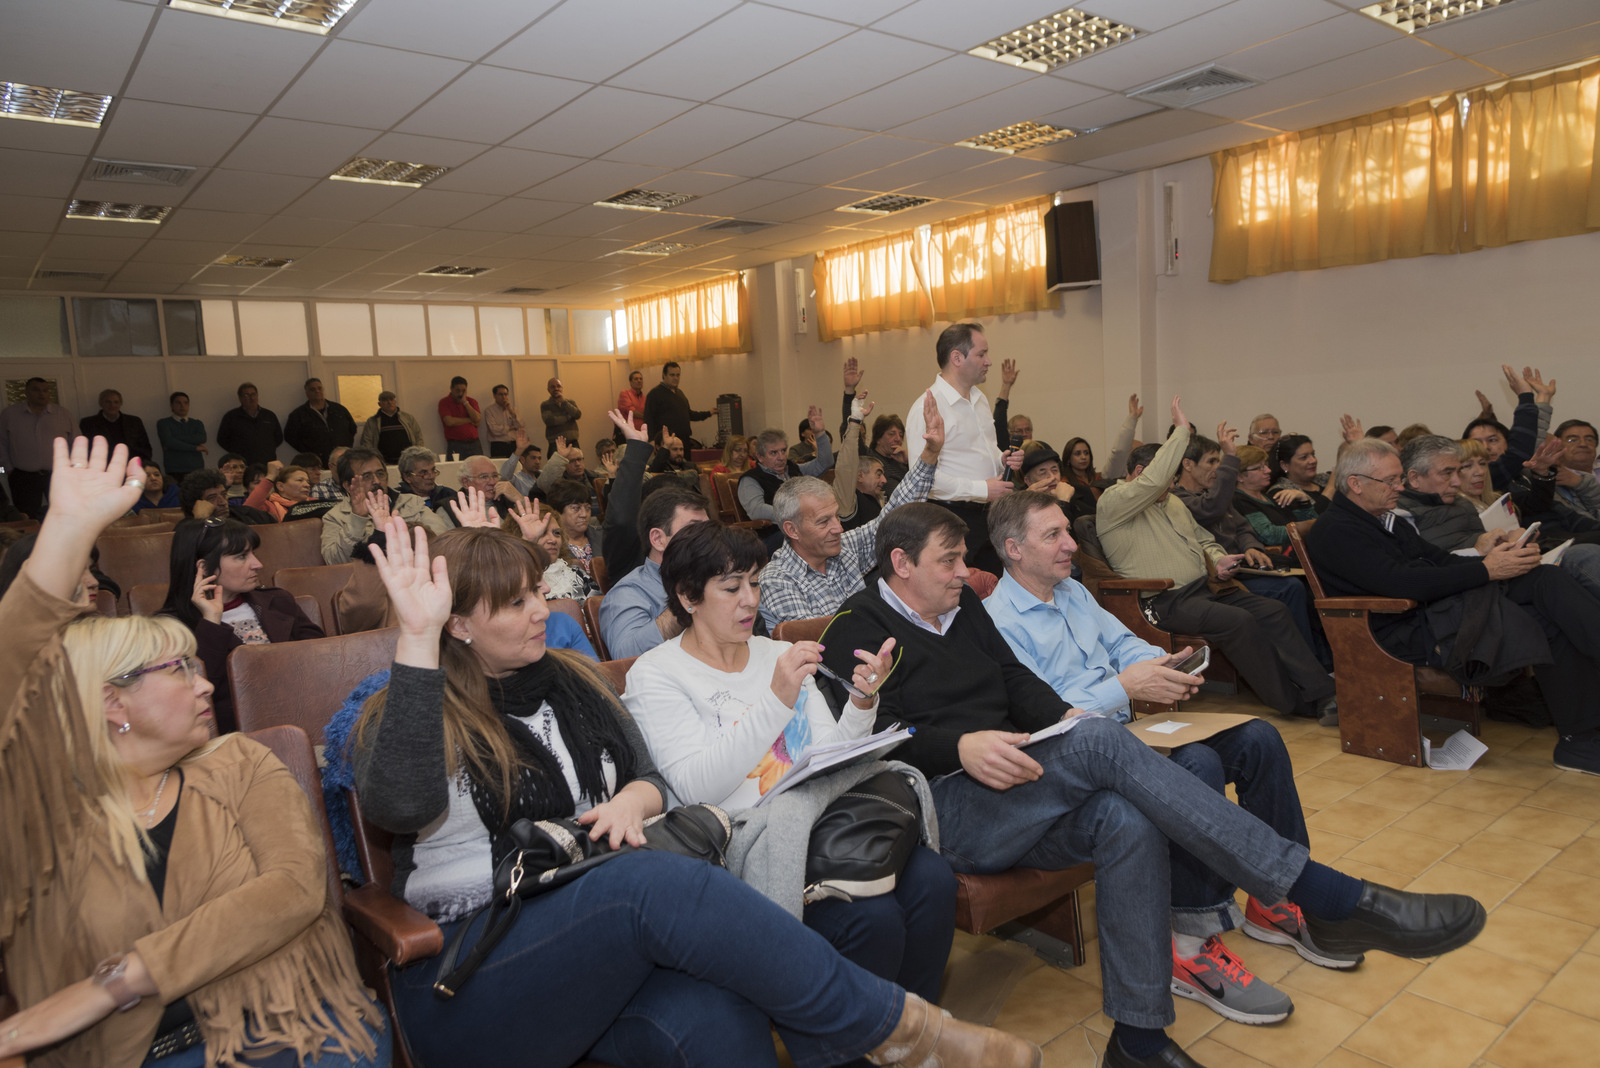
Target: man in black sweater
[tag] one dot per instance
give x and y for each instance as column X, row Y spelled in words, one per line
column 250, row 430
column 1092, row 793
column 1361, row 548
column 319, row 425
column 666, row 407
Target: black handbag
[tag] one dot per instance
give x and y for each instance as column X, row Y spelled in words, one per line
column 861, row 842
column 546, row 854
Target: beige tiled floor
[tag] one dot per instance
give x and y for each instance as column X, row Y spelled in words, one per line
column 1519, row 835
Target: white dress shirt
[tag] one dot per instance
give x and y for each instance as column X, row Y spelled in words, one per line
column 970, row 456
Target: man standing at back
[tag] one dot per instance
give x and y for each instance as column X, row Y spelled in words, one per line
column 27, row 435
column 319, row 425
column 117, row 427
column 972, row 469
column 461, row 417
column 251, row 430
column 560, row 415
column 667, row 407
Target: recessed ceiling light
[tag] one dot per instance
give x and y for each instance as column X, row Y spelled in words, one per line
column 645, row 200
column 387, row 172
column 101, row 209
column 887, row 204
column 271, row 263
column 66, row 107
column 1018, row 136
column 307, row 16
column 81, row 276
column 653, row 248
column 737, row 226
column 447, row 271
column 1056, row 39
column 1414, row 15
column 526, row 291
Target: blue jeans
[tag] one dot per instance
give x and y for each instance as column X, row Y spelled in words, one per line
column 1107, row 797
column 651, row 959
column 904, row 936
column 195, row 1056
column 1252, row 757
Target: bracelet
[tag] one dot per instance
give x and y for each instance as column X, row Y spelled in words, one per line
column 112, row 975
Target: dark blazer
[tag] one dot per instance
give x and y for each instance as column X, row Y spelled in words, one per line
column 306, row 432
column 127, row 430
column 282, row 621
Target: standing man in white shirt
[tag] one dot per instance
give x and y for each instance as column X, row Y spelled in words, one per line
column 972, row 470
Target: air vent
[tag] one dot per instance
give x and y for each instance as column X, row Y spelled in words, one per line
column 645, row 200
column 79, row 276
column 38, row 103
column 1414, row 15
column 121, row 170
column 388, row 172
column 1009, row 140
column 736, row 226
column 307, row 16
column 525, row 291
column 100, row 209
column 887, row 204
column 456, row 272
column 1191, row 87
column 270, row 263
column 1057, row 39
column 653, row 248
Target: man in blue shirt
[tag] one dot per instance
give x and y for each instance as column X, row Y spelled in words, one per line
column 633, row 617
column 1057, row 630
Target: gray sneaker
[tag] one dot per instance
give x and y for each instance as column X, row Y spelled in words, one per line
column 1220, row 981
column 1284, row 925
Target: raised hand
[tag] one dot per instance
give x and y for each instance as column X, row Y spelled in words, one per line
column 629, row 431
column 1228, row 438
column 91, row 485
column 1009, row 372
column 1178, row 418
column 1542, row 391
column 1135, row 409
column 1547, row 456
column 522, row 440
column 273, row 467
column 419, row 588
column 378, row 507
column 1351, row 427
column 561, row 445
column 852, row 374
column 477, row 512
column 206, row 597
column 814, row 417
column 1485, row 404
column 932, row 423
column 861, row 407
column 871, row 673
column 532, row 525
column 1518, row 384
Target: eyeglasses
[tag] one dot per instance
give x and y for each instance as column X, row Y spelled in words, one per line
column 1580, row 439
column 368, row 476
column 1393, row 483
column 850, row 687
column 191, row 666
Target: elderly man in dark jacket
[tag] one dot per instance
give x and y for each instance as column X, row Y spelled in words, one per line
column 1362, row 548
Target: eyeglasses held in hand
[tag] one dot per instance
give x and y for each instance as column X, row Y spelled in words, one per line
column 851, row 688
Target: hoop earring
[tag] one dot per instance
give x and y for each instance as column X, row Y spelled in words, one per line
column 125, row 728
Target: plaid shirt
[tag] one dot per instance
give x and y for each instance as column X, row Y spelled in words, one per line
column 791, row 589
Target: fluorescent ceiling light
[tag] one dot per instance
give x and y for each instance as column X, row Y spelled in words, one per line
column 1414, row 15
column 653, row 248
column 388, row 172
column 1056, row 39
column 645, row 200
column 447, row 271
column 101, row 209
column 307, row 16
column 271, row 263
column 65, row 107
column 1018, row 136
column 887, row 204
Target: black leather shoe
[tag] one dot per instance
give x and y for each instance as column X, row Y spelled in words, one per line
column 1171, row 1057
column 1407, row 925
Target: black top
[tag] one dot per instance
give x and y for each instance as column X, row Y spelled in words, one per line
column 321, row 433
column 177, row 1013
column 256, row 438
column 619, row 538
column 127, row 430
column 667, row 407
column 393, row 437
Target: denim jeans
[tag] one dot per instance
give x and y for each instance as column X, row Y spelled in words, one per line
column 195, row 1056
column 903, row 936
column 1252, row 757
column 1107, row 797
column 651, row 959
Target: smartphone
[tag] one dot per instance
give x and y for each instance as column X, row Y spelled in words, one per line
column 1527, row 536
column 1197, row 663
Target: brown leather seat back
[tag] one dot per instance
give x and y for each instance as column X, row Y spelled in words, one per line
column 147, row 598
column 617, row 672
column 322, row 583
column 290, row 745
column 591, row 615
column 135, row 558
column 1297, row 538
column 801, row 630
column 304, row 683
column 297, row 543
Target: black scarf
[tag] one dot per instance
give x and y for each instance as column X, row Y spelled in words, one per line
column 589, row 729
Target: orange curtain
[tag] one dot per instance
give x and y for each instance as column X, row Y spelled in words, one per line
column 690, row 322
column 989, row 263
column 871, row 286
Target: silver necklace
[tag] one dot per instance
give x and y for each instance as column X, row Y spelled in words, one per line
column 150, row 812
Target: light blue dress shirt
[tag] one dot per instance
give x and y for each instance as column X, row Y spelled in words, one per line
column 628, row 613
column 1071, row 643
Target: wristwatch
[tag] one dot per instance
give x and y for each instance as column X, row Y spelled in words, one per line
column 112, row 975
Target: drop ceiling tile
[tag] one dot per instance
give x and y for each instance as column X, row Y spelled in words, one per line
column 718, row 57
column 703, row 132
column 1418, row 85
column 414, row 148
column 442, row 29
column 745, row 199
column 1037, row 186
column 808, row 204
column 43, row 174
column 46, row 137
column 455, row 243
column 1509, row 24
column 94, row 62
column 833, row 73
column 362, row 85
column 223, row 62
column 959, row 27
column 139, row 192
column 191, row 253
column 524, row 246
column 489, row 104
column 945, row 84
column 600, row 119
column 788, row 144
column 840, row 164
column 597, row 38
column 584, row 222
column 595, row 180
column 654, row 226
column 998, row 171
column 292, row 146
column 933, row 164
column 169, row 133
column 1193, row 43
column 155, row 289
column 1295, row 51
column 195, row 225
column 1029, row 100
column 288, row 229
column 583, row 251
column 436, row 207
column 1102, row 111
column 514, row 215
column 351, row 201
column 1542, row 53
column 1153, row 14
column 156, row 273
column 17, row 243
column 1126, row 136
column 247, row 191
column 384, row 237
column 504, row 171
column 94, row 247
column 1400, row 56
column 856, row 12
column 1177, row 149
column 341, row 260
column 698, row 182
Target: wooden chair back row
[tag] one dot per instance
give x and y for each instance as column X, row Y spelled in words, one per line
column 591, row 623
column 147, row 598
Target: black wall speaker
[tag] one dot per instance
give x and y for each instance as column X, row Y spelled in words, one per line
column 1072, row 246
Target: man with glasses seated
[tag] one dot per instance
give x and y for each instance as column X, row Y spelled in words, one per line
column 481, row 474
column 1481, row 619
column 1575, row 480
column 419, row 474
column 1265, row 432
column 349, row 526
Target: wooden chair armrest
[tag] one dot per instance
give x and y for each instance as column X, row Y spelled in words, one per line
column 398, row 931
column 1366, row 604
column 1128, row 585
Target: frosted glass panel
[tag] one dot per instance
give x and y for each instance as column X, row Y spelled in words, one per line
column 538, row 332
column 453, row 329
column 591, row 332
column 35, row 327
column 273, row 328
column 359, row 393
column 401, row 330
column 345, row 329
column 502, row 331
column 217, row 316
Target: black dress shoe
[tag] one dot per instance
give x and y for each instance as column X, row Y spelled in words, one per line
column 1171, row 1057
column 1407, row 925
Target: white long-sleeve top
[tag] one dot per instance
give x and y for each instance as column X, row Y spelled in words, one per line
column 724, row 738
column 970, row 456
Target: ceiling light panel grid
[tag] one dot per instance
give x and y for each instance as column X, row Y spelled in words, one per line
column 306, row 16
column 1068, row 35
column 39, row 103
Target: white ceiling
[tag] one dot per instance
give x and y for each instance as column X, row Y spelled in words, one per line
column 778, row 112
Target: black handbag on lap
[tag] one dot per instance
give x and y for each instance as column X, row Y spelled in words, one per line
column 546, row 854
column 863, row 839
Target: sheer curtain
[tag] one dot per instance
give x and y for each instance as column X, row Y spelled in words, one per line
column 690, row 322
column 870, row 286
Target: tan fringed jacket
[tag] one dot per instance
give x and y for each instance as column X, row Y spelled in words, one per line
column 246, row 926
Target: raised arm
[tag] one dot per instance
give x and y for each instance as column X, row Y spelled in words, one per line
column 1122, row 447
column 1122, row 502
